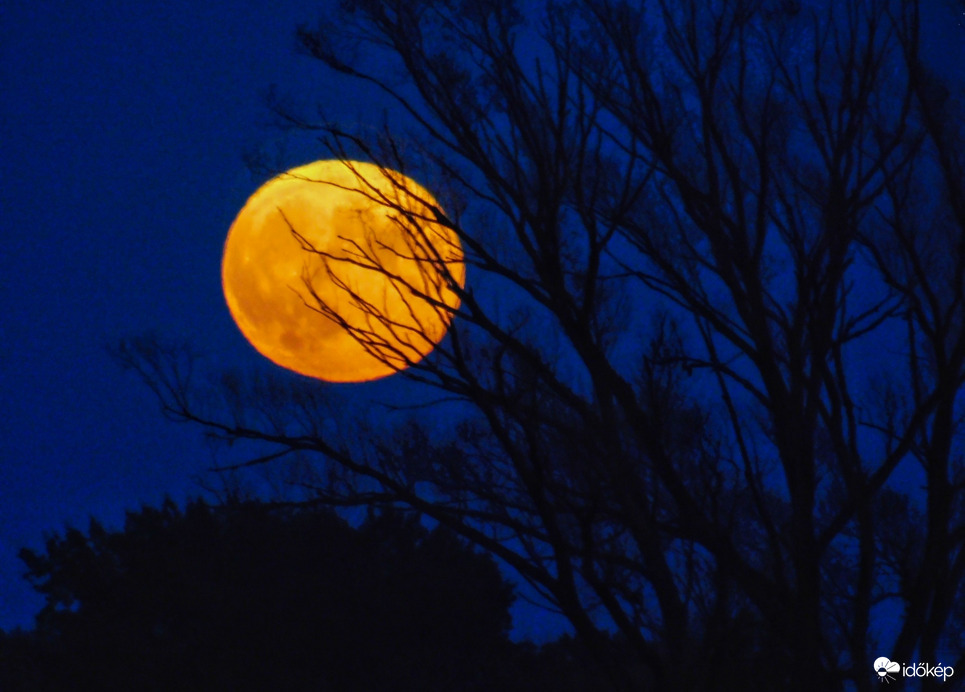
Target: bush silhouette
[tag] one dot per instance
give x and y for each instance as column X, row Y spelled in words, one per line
column 245, row 596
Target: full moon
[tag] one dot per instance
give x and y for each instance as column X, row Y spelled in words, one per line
column 340, row 270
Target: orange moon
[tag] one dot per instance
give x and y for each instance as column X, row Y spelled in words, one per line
column 338, row 270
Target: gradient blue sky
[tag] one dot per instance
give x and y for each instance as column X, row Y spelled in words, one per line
column 121, row 167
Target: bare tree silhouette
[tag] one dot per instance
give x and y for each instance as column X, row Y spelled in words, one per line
column 712, row 334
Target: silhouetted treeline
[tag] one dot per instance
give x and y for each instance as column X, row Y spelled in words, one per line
column 250, row 597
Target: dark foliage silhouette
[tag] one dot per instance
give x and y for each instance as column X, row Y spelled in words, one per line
column 706, row 368
column 249, row 597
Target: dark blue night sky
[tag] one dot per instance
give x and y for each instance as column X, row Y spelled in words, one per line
column 123, row 165
column 125, row 128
